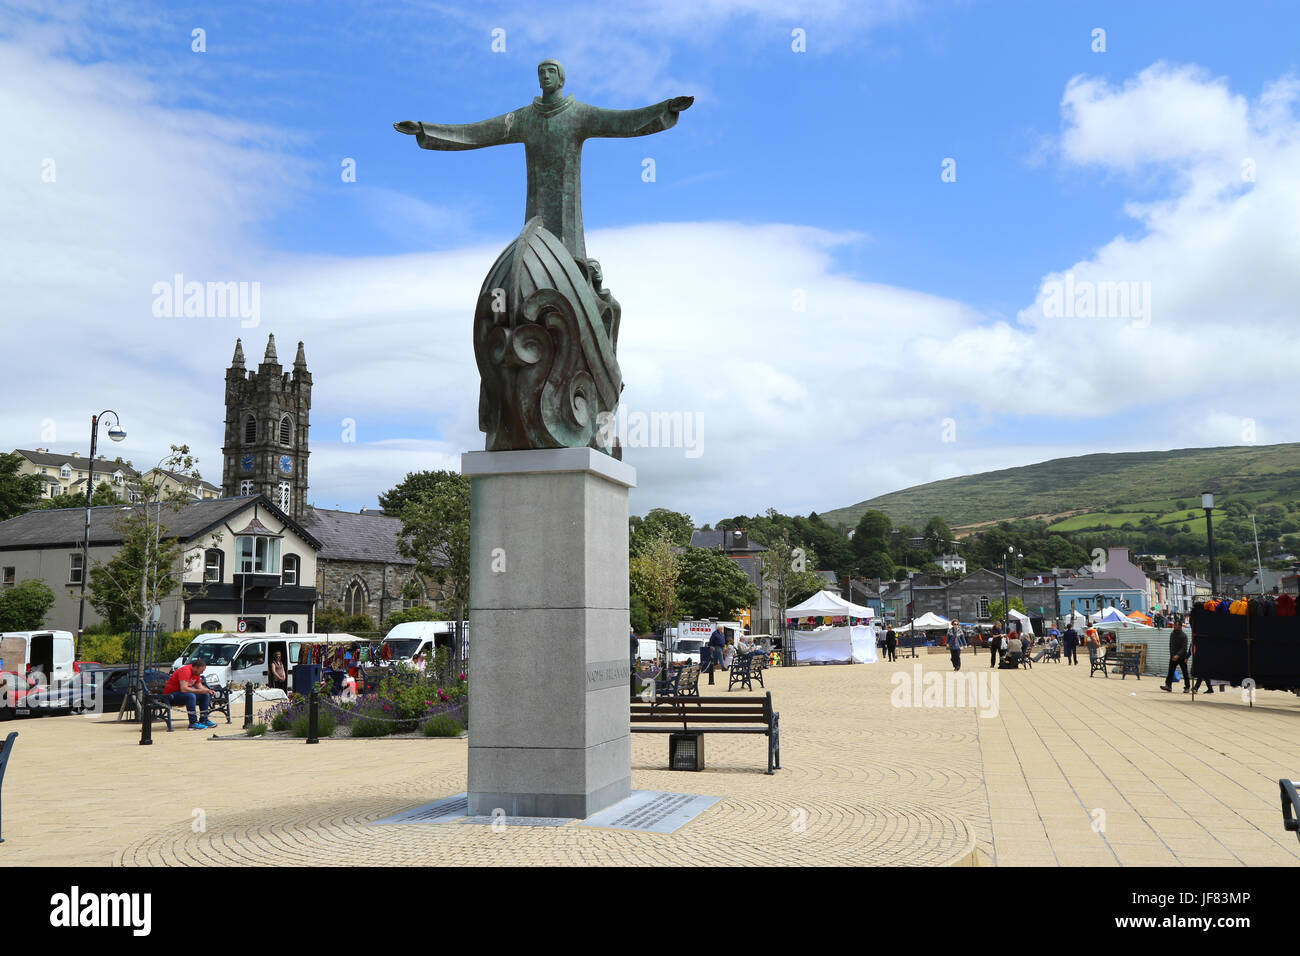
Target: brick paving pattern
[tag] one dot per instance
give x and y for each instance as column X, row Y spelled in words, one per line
column 1072, row 770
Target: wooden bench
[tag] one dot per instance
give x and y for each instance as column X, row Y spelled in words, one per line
column 1102, row 662
column 712, row 715
column 746, row 668
column 1290, row 806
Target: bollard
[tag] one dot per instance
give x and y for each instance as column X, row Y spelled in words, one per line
column 6, row 749
column 248, row 705
column 146, row 716
column 313, row 715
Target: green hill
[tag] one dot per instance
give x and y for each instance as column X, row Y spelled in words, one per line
column 1101, row 490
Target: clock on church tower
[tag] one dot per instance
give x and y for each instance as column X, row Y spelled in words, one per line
column 267, row 418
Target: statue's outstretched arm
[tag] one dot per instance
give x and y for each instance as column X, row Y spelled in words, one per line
column 490, row 132
column 639, row 122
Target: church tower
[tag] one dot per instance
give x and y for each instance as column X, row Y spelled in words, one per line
column 267, row 414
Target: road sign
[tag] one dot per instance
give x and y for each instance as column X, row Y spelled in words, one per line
column 242, row 626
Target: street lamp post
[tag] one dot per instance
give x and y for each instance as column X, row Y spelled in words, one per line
column 1006, row 598
column 117, row 433
column 1207, row 502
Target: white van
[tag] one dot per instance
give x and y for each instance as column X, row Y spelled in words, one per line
column 46, row 656
column 409, row 638
column 240, row 658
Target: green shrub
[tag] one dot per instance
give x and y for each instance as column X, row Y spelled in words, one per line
column 372, row 727
column 104, row 648
column 257, row 730
column 281, row 721
column 443, row 725
column 325, row 724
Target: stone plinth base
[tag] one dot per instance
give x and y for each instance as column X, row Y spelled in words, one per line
column 549, row 651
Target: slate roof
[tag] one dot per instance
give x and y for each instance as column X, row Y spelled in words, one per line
column 102, row 465
column 348, row 536
column 63, row 527
column 713, row 539
column 1096, row 584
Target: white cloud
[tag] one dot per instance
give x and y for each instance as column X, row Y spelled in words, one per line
column 803, row 410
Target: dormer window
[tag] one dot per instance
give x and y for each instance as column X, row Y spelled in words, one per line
column 65, row 472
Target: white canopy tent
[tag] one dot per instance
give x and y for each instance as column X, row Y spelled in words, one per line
column 1019, row 617
column 836, row 645
column 826, row 604
column 929, row 621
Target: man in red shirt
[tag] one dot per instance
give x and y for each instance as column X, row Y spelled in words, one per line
column 185, row 685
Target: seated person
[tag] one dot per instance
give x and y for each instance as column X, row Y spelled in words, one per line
column 1015, row 651
column 1049, row 649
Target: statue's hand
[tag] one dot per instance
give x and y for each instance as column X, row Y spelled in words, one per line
column 410, row 127
column 679, row 103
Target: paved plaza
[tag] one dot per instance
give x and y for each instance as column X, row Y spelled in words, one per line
column 1072, row 770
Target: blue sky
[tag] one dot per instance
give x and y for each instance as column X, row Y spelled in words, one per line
column 817, row 171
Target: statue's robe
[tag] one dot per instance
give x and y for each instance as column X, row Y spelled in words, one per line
column 552, row 138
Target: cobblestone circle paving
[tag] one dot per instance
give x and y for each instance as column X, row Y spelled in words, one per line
column 863, row 782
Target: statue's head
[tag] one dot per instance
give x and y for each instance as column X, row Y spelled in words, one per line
column 550, row 75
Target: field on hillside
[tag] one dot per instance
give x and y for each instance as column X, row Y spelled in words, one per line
column 1135, row 485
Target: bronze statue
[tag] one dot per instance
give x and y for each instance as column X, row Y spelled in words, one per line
column 545, row 329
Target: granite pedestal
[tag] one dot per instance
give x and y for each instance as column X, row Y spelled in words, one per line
column 549, row 649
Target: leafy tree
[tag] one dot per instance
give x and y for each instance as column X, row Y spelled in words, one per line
column 421, row 612
column 938, row 536
column 660, row 522
column 871, row 536
column 801, row 585
column 783, row 562
column 18, row 492
column 104, row 494
column 997, row 610
column 879, row 565
column 24, row 606
column 654, row 573
column 436, row 533
column 712, row 585
column 639, row 613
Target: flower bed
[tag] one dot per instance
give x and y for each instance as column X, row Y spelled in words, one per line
column 405, row 702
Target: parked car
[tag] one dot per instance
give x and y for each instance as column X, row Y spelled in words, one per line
column 14, row 693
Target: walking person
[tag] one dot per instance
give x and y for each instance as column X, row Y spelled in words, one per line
column 995, row 645
column 1177, row 658
column 717, row 641
column 891, row 644
column 1093, row 641
column 1070, row 641
column 955, row 642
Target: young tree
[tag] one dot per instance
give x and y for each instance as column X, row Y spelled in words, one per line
column 19, row 493
column 998, row 611
column 435, row 510
column 149, row 564
column 937, row 535
column 23, row 607
column 713, row 585
column 783, row 564
column 654, row 573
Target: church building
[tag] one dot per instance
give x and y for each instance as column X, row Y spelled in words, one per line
column 358, row 567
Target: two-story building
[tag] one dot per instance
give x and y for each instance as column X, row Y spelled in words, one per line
column 67, row 473
column 241, row 558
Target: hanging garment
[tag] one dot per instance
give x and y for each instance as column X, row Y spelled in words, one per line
column 1285, row 605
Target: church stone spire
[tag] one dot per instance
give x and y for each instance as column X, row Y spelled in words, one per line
column 300, row 360
column 270, row 357
column 238, row 360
